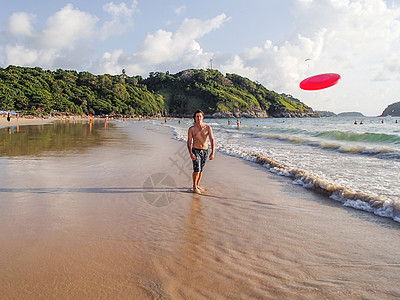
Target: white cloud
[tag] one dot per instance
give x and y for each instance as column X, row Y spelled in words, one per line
column 67, row 38
column 19, row 55
column 20, row 23
column 109, row 61
column 121, row 19
column 167, row 49
column 164, row 46
column 237, row 66
column 157, row 47
column 113, row 62
column 179, row 10
column 66, row 27
column 119, row 10
column 64, row 33
column 192, row 29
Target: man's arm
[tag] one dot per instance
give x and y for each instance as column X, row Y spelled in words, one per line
column 189, row 143
column 211, row 137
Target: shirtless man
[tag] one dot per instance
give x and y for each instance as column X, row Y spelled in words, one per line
column 198, row 147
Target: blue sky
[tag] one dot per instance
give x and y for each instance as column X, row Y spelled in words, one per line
column 264, row 40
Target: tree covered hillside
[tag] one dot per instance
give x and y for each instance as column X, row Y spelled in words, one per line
column 34, row 90
column 215, row 93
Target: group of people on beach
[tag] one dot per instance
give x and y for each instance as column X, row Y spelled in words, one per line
column 9, row 115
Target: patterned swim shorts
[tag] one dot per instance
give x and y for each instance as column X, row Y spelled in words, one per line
column 200, row 161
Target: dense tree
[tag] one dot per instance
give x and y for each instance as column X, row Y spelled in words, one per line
column 36, row 91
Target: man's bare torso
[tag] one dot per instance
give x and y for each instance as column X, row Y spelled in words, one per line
column 200, row 135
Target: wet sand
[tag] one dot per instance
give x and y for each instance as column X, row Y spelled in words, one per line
column 117, row 221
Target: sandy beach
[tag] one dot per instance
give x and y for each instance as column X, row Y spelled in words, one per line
column 23, row 121
column 113, row 218
column 30, row 120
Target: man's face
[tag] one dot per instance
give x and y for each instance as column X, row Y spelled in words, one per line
column 199, row 117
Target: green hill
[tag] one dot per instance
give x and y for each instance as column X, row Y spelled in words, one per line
column 221, row 95
column 34, row 91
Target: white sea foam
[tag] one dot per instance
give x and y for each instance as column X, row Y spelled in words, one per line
column 379, row 205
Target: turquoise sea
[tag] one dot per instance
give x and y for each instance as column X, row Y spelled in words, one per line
column 356, row 164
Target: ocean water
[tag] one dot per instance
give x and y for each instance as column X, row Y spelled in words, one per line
column 356, row 164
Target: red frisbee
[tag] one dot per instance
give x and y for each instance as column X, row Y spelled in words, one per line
column 319, row 82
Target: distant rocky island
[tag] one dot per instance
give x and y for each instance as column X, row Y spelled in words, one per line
column 350, row 114
column 392, row 110
column 342, row 114
column 324, row 114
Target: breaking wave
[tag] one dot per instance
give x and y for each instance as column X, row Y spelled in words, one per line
column 379, row 150
column 378, row 205
column 367, row 137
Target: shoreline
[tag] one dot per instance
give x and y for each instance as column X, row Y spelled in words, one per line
column 33, row 120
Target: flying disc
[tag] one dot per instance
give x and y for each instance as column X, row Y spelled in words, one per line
column 319, row 82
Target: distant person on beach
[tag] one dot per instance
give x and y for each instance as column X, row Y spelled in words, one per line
column 238, row 123
column 8, row 118
column 198, row 147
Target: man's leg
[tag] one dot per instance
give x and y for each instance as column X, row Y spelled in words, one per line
column 198, row 180
column 196, row 176
column 203, row 159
